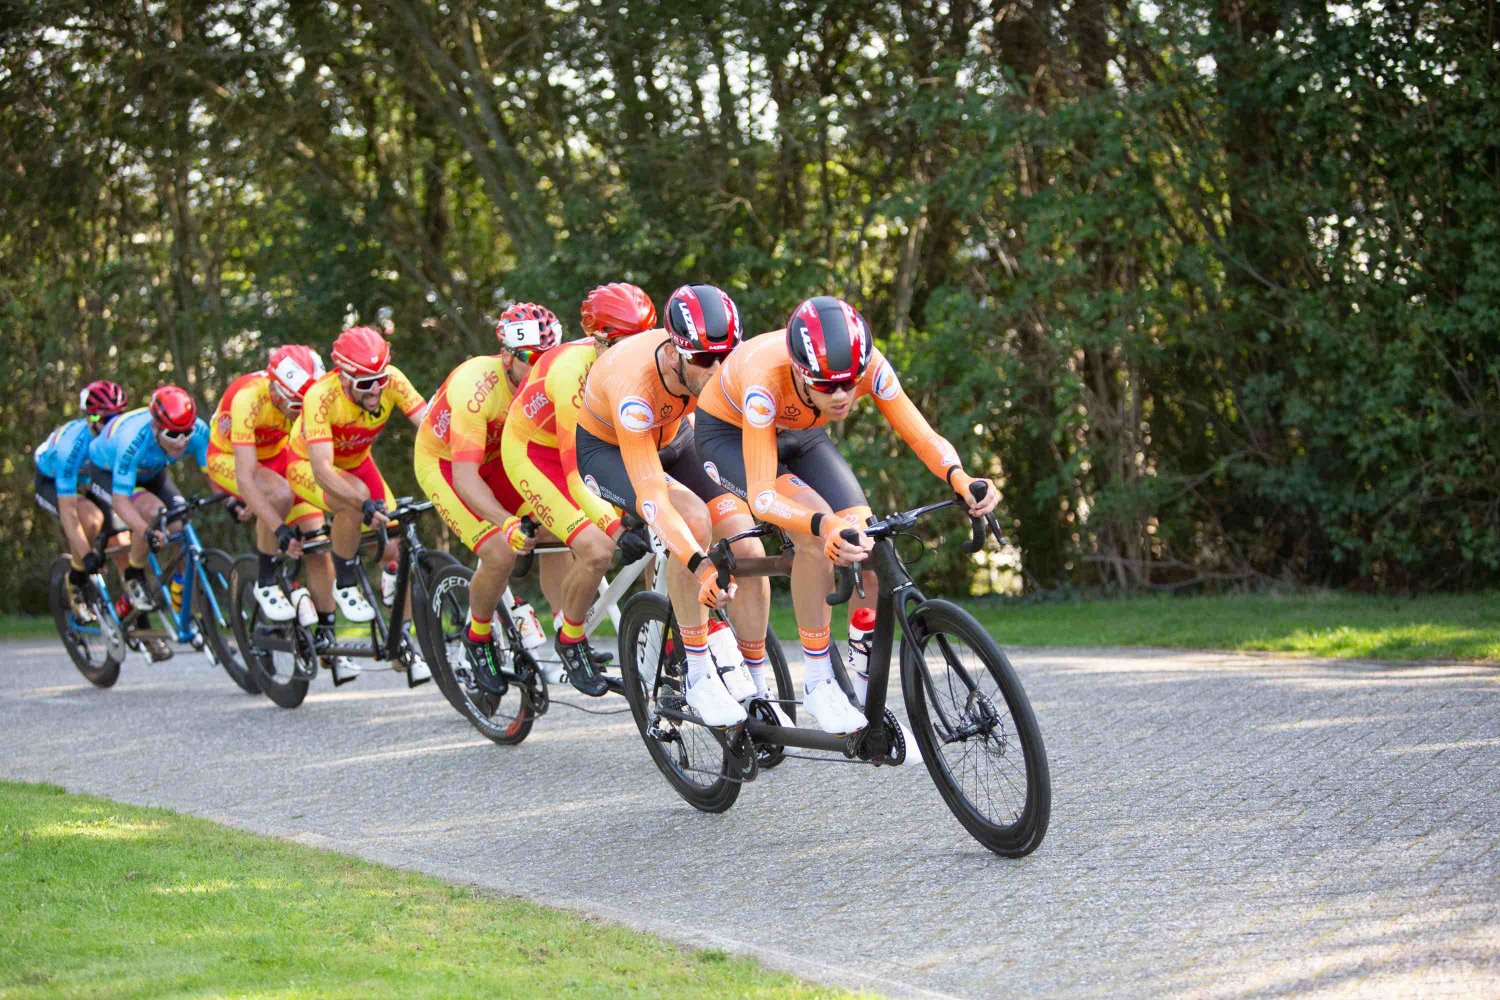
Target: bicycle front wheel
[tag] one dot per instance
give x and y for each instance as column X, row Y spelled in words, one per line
column 978, row 734
column 85, row 642
column 503, row 718
column 653, row 668
column 281, row 674
column 213, row 603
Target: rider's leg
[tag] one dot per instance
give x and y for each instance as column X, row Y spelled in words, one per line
column 553, row 572
column 592, row 552
column 750, row 612
column 496, row 560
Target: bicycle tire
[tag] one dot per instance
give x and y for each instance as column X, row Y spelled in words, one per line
column 97, row 666
column 941, row 623
column 503, row 719
column 644, row 623
column 284, row 691
column 424, row 620
column 218, row 629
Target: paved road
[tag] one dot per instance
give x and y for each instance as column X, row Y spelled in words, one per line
column 1222, row 826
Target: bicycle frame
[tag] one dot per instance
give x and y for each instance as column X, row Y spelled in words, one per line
column 190, row 559
column 610, row 592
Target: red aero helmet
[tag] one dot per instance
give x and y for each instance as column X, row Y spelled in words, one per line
column 828, row 339
column 526, row 325
column 173, row 409
column 703, row 320
column 293, row 368
column 102, row 399
column 617, row 310
column 361, row 350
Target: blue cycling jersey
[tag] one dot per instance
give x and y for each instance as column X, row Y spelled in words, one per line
column 127, row 450
column 64, row 456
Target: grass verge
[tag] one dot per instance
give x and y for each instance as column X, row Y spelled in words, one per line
column 104, row 899
column 26, row 627
column 1445, row 626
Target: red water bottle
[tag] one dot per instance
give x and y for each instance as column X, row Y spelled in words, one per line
column 857, row 662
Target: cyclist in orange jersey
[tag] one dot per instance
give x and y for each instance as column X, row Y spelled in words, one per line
column 761, row 433
column 538, row 447
column 458, row 465
column 332, row 468
column 636, row 450
column 247, row 458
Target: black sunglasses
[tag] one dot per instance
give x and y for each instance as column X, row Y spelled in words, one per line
column 831, row 385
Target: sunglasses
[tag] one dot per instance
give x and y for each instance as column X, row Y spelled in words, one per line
column 369, row 383
column 172, row 435
column 829, row 386
column 526, row 355
column 702, row 359
column 291, row 402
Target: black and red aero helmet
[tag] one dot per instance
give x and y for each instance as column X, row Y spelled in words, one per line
column 829, row 340
column 702, row 319
column 102, row 399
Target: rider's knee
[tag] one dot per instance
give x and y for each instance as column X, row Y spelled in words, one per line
column 594, row 550
column 696, row 518
column 494, row 552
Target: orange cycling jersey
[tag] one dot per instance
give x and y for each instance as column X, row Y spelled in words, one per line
column 754, row 391
column 467, row 415
column 328, row 414
column 246, row 415
column 626, row 403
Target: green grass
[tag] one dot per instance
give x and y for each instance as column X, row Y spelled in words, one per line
column 1460, row 627
column 26, row 627
column 103, row 899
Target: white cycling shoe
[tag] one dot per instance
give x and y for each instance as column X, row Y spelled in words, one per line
column 273, row 603
column 352, row 604
column 713, row 702
column 417, row 670
column 342, row 668
column 831, row 709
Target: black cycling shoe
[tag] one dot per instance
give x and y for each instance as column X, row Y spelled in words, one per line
column 583, row 673
column 601, row 657
column 485, row 665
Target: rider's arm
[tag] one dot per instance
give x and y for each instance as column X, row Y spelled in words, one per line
column 67, row 496
column 652, row 499
column 476, row 493
column 565, row 388
column 320, row 455
column 123, row 477
column 759, row 443
column 246, row 462
column 932, row 448
column 408, row 399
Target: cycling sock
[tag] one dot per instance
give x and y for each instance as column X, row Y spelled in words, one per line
column 135, row 573
column 816, row 666
column 77, row 577
column 695, row 645
column 754, row 652
column 571, row 632
column 328, row 619
column 480, row 631
column 343, row 571
column 265, row 573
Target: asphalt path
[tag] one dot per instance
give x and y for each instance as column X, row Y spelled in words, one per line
column 1222, row 826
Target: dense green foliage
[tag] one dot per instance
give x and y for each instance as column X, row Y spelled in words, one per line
column 1212, row 286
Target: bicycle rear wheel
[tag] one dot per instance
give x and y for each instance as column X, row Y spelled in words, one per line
column 85, row 642
column 281, row 675
column 214, row 617
column 505, row 719
column 978, row 734
column 686, row 753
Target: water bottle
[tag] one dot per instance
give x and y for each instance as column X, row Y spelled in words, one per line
column 174, row 592
column 722, row 645
column 530, row 627
column 857, row 661
column 307, row 612
column 388, row 584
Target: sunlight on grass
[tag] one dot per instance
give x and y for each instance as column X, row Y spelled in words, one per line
column 102, row 899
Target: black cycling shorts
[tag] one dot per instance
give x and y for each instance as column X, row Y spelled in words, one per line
column 603, row 468
column 45, row 489
column 809, row 454
column 160, row 484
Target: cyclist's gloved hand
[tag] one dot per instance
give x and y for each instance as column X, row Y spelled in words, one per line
column 285, row 536
column 710, row 594
column 838, row 549
column 633, row 543
column 93, row 562
column 155, row 539
column 516, row 535
column 371, row 508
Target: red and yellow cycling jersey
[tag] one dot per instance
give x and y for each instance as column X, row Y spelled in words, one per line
column 464, row 422
column 545, row 410
column 754, row 391
column 247, row 415
column 328, row 414
column 627, row 403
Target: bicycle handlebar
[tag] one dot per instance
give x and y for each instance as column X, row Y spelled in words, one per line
column 178, row 511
